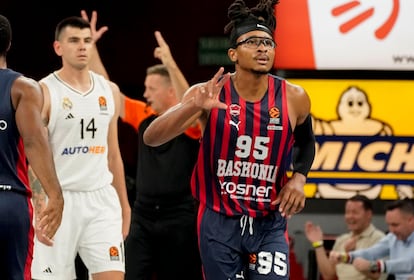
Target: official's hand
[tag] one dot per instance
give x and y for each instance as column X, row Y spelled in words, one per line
column 162, row 52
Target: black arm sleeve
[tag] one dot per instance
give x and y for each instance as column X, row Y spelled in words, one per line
column 304, row 147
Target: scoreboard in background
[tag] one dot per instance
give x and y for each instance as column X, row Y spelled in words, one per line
column 345, row 35
column 365, row 138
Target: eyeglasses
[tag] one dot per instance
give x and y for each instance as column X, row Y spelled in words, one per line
column 254, row 42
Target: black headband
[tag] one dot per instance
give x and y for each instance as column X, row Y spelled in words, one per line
column 247, row 27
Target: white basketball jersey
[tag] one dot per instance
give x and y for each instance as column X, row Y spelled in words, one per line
column 78, row 132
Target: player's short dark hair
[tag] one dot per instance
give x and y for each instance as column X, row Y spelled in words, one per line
column 72, row 21
column 5, row 35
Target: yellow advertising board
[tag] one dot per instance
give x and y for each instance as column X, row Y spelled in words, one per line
column 365, row 138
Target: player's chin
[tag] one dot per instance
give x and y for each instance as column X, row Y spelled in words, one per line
column 261, row 70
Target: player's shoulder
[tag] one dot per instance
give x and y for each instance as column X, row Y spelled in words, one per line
column 294, row 88
column 101, row 79
column 26, row 83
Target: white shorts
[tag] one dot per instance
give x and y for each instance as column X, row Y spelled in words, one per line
column 91, row 225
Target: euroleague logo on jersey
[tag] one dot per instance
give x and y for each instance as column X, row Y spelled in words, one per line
column 274, row 112
column 381, row 32
column 114, row 253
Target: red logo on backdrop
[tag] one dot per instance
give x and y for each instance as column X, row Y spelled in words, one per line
column 381, row 32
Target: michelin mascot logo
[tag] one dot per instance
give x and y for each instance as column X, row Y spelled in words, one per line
column 357, row 153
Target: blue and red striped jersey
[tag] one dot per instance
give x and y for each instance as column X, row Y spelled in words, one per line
column 13, row 164
column 245, row 153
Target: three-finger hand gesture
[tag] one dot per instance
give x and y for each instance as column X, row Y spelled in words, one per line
column 206, row 95
column 96, row 34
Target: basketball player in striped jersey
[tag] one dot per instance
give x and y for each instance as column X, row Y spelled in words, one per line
column 255, row 125
column 81, row 111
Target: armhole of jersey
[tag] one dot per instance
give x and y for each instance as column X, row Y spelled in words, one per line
column 53, row 102
column 285, row 105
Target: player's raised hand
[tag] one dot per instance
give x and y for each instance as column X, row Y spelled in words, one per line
column 206, row 94
column 96, row 34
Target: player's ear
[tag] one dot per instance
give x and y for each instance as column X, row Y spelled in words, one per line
column 232, row 54
column 57, row 48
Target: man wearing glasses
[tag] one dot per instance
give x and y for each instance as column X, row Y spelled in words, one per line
column 253, row 122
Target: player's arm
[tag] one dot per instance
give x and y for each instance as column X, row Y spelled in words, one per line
column 304, row 146
column 116, row 165
column 27, row 100
column 197, row 102
column 291, row 199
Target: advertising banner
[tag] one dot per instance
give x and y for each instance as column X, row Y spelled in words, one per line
column 365, row 138
column 345, row 35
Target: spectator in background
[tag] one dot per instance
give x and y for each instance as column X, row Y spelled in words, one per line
column 163, row 238
column 397, row 246
column 362, row 234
